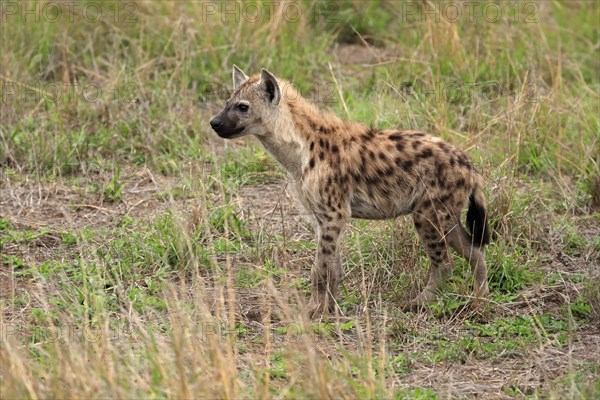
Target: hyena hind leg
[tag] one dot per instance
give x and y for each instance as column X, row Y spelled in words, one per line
column 461, row 241
column 429, row 226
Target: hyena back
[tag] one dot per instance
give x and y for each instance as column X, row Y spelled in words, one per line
column 344, row 169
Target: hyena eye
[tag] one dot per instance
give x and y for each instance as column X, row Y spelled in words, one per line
column 243, row 107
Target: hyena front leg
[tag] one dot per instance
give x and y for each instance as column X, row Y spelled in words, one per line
column 326, row 273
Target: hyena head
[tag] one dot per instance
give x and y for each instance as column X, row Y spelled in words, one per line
column 254, row 101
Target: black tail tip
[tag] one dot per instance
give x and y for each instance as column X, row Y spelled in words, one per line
column 477, row 222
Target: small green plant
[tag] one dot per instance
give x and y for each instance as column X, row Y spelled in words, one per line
column 399, row 364
column 277, row 369
column 113, row 190
column 19, row 266
column 226, row 216
column 511, row 270
column 4, row 224
column 249, row 277
column 69, row 239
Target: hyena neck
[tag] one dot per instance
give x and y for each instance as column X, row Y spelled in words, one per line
column 287, row 152
column 311, row 123
column 297, row 124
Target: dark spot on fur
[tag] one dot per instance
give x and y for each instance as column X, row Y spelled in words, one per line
column 311, row 164
column 382, row 156
column 325, row 130
column 426, row 203
column 463, row 161
column 369, row 134
column 416, row 144
column 399, row 146
column 326, row 250
column 460, row 182
column 443, row 199
column 397, row 136
column 372, row 154
column 372, row 180
column 439, row 169
column 321, row 156
column 418, row 224
column 426, row 153
column 334, row 149
column 312, row 146
column 452, row 161
column 443, row 146
column 407, row 165
column 327, row 238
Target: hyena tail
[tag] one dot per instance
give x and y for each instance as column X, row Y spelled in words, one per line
column 477, row 218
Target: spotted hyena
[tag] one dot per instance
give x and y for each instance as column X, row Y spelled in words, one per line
column 343, row 169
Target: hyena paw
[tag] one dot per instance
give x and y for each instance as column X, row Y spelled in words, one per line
column 479, row 296
column 316, row 310
column 481, row 292
column 319, row 307
column 418, row 303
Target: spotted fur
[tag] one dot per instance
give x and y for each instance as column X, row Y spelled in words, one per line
column 343, row 169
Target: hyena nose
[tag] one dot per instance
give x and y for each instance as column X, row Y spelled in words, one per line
column 216, row 123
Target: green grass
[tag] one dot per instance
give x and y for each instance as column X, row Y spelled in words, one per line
column 143, row 257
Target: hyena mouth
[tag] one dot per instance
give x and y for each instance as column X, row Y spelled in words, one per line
column 230, row 134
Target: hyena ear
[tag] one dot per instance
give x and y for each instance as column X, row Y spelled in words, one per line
column 239, row 77
column 271, row 86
